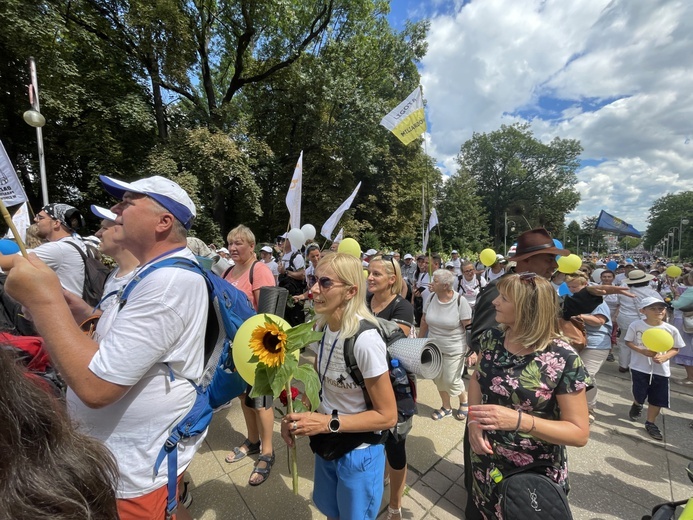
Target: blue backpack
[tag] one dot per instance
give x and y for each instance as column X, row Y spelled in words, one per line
column 228, row 309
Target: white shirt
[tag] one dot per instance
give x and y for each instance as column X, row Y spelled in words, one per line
column 645, row 364
column 65, row 261
column 339, row 390
column 163, row 321
column 470, row 289
column 443, row 320
column 274, row 267
column 298, row 262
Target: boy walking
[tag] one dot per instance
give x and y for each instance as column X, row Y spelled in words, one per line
column 650, row 370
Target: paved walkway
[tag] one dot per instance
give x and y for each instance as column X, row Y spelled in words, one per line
column 619, row 475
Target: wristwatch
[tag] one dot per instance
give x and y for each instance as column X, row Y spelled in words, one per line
column 334, row 423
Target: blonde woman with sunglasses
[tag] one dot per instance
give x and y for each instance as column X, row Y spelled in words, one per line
column 345, row 434
column 527, row 395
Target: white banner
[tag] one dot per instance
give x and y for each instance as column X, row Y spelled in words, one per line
column 432, row 222
column 330, row 223
column 293, row 196
column 21, row 222
column 11, row 191
column 339, row 237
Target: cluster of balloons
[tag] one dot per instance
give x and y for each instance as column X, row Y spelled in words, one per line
column 299, row 236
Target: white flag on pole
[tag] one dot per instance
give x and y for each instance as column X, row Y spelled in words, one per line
column 11, row 191
column 293, row 196
column 432, row 222
column 331, row 222
column 339, row 237
column 21, row 222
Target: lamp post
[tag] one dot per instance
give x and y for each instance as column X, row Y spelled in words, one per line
column 512, row 228
column 683, row 222
column 33, row 117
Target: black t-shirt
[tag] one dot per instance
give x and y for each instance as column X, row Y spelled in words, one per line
column 398, row 309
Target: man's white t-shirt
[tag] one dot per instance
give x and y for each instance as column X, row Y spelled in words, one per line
column 163, row 322
column 298, row 262
column 339, row 390
column 274, row 267
column 65, row 261
column 645, row 364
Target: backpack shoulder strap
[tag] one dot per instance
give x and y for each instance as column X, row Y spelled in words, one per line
column 250, row 275
column 183, row 263
column 79, row 250
column 350, row 361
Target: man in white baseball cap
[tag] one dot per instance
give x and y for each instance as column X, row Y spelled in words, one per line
column 144, row 351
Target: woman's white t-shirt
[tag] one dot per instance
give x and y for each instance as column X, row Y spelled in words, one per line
column 444, row 325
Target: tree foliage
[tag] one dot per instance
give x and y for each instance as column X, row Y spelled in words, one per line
column 666, row 215
column 518, row 174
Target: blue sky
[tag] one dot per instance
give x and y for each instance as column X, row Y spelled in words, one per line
column 615, row 74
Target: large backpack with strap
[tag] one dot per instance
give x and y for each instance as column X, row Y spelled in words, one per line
column 95, row 274
column 293, row 285
column 390, row 332
column 220, row 382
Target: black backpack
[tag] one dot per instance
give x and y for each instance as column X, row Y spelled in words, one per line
column 390, row 332
column 293, row 285
column 95, row 274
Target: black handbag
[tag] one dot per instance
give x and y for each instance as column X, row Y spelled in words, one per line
column 331, row 446
column 527, row 492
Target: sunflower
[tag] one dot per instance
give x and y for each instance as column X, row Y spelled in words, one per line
column 268, row 343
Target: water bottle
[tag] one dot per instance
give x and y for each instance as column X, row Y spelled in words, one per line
column 401, row 381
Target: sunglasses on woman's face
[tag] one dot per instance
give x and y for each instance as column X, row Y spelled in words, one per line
column 327, row 283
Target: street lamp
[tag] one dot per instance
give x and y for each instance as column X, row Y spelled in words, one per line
column 512, row 229
column 683, row 222
column 34, row 118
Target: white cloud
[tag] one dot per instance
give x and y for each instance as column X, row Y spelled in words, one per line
column 621, row 69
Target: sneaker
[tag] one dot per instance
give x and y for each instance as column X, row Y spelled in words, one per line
column 610, row 358
column 635, row 411
column 683, row 382
column 653, row 431
column 185, row 497
column 623, row 370
column 223, row 407
column 591, row 417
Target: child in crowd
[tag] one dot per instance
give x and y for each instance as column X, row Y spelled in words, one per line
column 650, row 370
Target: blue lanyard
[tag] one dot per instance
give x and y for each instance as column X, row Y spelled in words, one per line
column 329, row 357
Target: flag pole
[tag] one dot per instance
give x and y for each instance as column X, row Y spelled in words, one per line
column 8, row 220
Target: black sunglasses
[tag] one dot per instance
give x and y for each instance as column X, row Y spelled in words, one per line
column 529, row 278
column 326, row 283
column 391, row 258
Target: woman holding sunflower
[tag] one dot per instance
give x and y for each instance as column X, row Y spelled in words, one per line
column 345, row 434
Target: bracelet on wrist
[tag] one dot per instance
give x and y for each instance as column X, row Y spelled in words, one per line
column 519, row 421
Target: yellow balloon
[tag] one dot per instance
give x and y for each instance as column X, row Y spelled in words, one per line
column 241, row 344
column 488, row 257
column 674, row 271
column 657, row 340
column 350, row 247
column 569, row 264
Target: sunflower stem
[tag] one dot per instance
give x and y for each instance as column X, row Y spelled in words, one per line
column 292, row 450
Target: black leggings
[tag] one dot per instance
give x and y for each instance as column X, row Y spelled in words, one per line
column 396, row 452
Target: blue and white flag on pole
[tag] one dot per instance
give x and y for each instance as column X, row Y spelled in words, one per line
column 331, row 223
column 432, row 222
column 293, row 196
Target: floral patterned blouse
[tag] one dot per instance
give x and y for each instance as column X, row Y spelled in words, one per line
column 529, row 383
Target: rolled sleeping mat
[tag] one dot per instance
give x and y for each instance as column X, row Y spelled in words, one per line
column 272, row 300
column 420, row 356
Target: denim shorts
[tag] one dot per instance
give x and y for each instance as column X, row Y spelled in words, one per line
column 350, row 487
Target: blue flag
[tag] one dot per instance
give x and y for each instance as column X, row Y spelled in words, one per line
column 607, row 222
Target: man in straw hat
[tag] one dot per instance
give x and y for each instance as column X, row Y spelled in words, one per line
column 535, row 253
column 131, row 382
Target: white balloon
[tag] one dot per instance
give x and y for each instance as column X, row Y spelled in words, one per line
column 296, row 238
column 597, row 275
column 308, row 231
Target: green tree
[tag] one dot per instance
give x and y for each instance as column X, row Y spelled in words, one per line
column 667, row 213
column 517, row 173
column 463, row 220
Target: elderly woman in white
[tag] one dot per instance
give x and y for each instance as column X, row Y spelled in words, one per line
column 445, row 316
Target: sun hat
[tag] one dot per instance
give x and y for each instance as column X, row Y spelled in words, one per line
column 266, row 249
column 637, row 276
column 536, row 242
column 67, row 215
column 166, row 192
column 103, row 213
column 649, row 301
column 408, row 256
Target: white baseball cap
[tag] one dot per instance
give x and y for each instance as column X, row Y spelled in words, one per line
column 266, row 249
column 650, row 300
column 408, row 256
column 166, row 192
column 103, row 213
column 371, row 252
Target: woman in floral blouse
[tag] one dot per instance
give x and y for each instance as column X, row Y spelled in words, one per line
column 527, row 396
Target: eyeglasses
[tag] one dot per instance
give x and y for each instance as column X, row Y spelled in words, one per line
column 38, row 218
column 327, row 283
column 467, row 271
column 529, row 278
